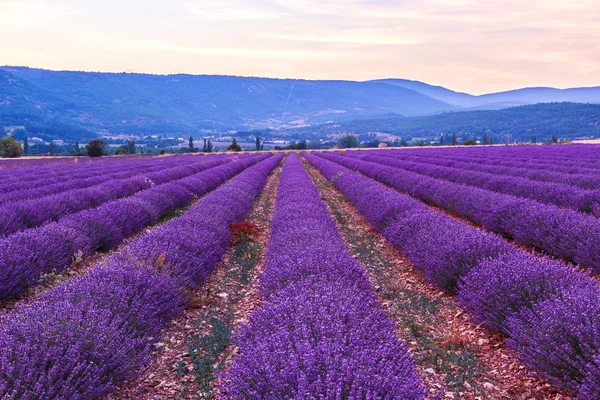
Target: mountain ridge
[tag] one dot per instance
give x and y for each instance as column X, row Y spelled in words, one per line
column 503, row 99
column 90, row 103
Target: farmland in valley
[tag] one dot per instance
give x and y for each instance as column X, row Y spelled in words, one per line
column 465, row 273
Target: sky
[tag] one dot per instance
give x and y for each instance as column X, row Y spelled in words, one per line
column 472, row 46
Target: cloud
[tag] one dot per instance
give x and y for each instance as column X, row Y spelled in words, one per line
column 229, row 10
column 158, row 45
column 32, row 14
column 469, row 45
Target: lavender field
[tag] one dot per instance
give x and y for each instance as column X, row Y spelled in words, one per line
column 424, row 273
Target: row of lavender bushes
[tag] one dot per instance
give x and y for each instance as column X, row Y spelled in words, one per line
column 557, row 231
column 549, row 311
column 85, row 337
column 33, row 170
column 29, row 189
column 17, row 217
column 319, row 332
column 531, row 171
column 37, row 162
column 559, row 194
column 571, row 160
column 567, row 159
column 26, row 256
column 26, row 179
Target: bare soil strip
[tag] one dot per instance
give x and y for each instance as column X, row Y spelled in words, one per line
column 196, row 346
column 453, row 354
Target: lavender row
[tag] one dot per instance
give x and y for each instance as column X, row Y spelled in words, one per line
column 488, row 157
column 560, row 232
column 17, row 179
column 8, row 167
column 586, row 156
column 319, row 332
column 549, row 311
column 16, row 217
column 47, row 187
column 551, row 165
column 26, row 256
column 495, row 157
column 85, row 337
column 583, row 181
column 554, row 162
column 561, row 195
column 40, row 162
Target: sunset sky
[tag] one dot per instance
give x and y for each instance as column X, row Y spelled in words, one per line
column 472, row 46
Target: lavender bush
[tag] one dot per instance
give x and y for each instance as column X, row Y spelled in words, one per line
column 520, row 167
column 320, row 332
column 590, row 387
column 52, row 247
column 515, row 281
column 549, row 310
column 560, row 336
column 559, row 194
column 81, row 339
column 560, row 232
column 34, row 212
column 442, row 248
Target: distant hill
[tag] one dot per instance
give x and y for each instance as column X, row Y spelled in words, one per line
column 80, row 105
column 567, row 120
column 436, row 92
column 500, row 100
column 138, row 103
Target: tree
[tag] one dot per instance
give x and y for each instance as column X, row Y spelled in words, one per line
column 258, row 145
column 96, row 148
column 475, row 140
column 204, row 147
column 372, row 144
column 348, row 142
column 403, row 143
column 10, row 147
column 554, row 138
column 77, row 149
column 297, row 146
column 121, row 150
column 209, row 146
column 534, row 139
column 441, row 139
column 51, row 150
column 454, row 141
column 314, row 144
column 234, row 146
column 191, row 144
column 485, row 139
column 131, row 146
column 26, row 146
column 421, row 143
